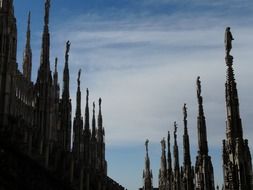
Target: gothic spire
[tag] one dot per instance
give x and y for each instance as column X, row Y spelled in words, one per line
column 177, row 175
column 202, row 136
column 204, row 167
column 65, row 92
column 87, row 114
column 100, row 118
column 169, row 166
column 163, row 167
column 44, row 70
column 27, row 61
column 176, row 158
column 78, row 96
column 147, row 173
column 55, row 72
column 169, row 153
column 187, row 168
column 147, row 161
column 78, row 122
column 93, row 123
column 234, row 125
column 187, row 156
column 46, row 17
column 236, row 153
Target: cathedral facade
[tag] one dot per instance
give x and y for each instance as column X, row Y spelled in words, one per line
column 36, row 149
column 237, row 161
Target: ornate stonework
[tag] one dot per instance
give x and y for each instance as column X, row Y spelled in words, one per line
column 35, row 123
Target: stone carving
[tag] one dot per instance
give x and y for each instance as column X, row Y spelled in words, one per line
column 146, row 145
column 163, row 144
column 175, row 130
column 79, row 75
column 185, row 112
column 228, row 40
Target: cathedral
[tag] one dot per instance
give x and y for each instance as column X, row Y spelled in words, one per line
column 237, row 161
column 37, row 150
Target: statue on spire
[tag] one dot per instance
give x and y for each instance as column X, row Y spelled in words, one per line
column 198, row 86
column 47, row 7
column 100, row 102
column 146, row 144
column 163, row 144
column 87, row 95
column 79, row 75
column 67, row 47
column 55, row 64
column 200, row 100
column 228, row 40
column 185, row 111
column 175, row 130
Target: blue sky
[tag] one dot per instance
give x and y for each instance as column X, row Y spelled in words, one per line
column 143, row 57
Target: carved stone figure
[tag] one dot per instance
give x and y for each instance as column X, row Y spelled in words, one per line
column 79, row 75
column 175, row 130
column 228, row 40
column 198, row 86
column 146, row 145
column 163, row 144
column 185, row 112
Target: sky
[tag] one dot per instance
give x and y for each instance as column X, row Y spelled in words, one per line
column 143, row 57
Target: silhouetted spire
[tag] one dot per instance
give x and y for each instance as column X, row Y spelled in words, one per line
column 94, row 133
column 169, row 153
column 169, row 165
column 65, row 92
column 66, row 109
column 163, row 167
column 187, row 156
column 55, row 71
column 87, row 114
column 203, row 167
column 27, row 61
column 46, row 17
column 176, row 158
column 237, row 161
column 44, row 73
column 100, row 118
column 187, row 174
column 202, row 136
column 147, row 161
column 78, row 123
column 147, row 173
column 234, row 125
column 78, row 96
column 177, row 183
